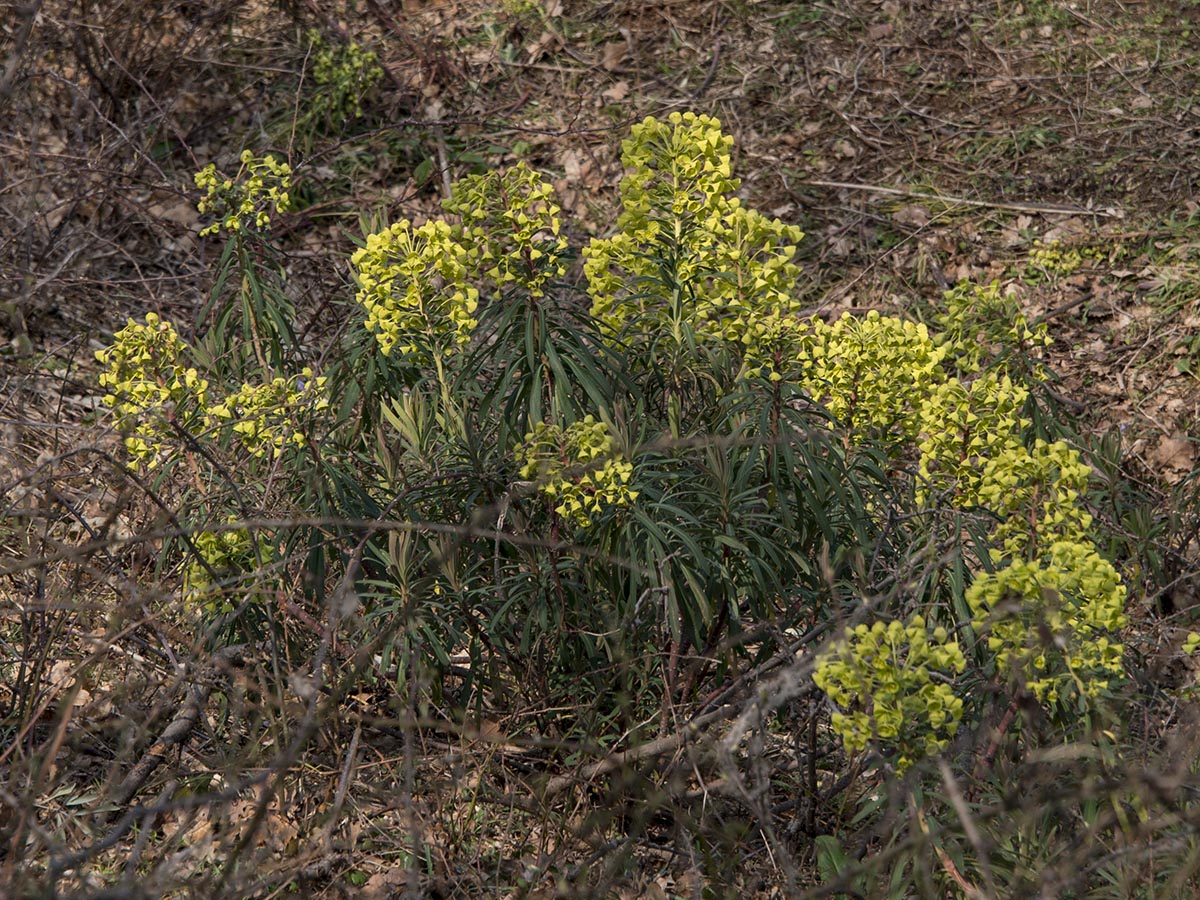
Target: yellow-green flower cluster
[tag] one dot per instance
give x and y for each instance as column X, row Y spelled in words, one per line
column 980, row 321
column 413, row 284
column 686, row 254
column 245, row 200
column 963, row 426
column 871, row 373
column 156, row 397
column 521, row 8
column 1035, row 496
column 890, row 683
column 681, row 171
column 150, row 389
column 780, row 348
column 578, row 468
column 1052, row 258
column 747, row 277
column 1050, row 608
column 227, row 556
column 265, row 418
column 511, row 225
column 1048, row 620
column 344, row 74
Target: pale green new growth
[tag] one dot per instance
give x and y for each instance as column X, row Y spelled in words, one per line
column 1053, row 258
column 344, row 74
column 687, row 254
column 891, row 684
column 224, row 556
column 150, row 389
column 244, row 201
column 1048, row 620
column 413, row 283
column 263, row 417
column 577, row 468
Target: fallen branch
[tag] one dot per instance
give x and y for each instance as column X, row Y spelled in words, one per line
column 180, row 728
column 650, row 750
column 1107, row 212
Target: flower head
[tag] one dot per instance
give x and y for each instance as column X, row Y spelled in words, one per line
column 245, row 201
column 577, row 468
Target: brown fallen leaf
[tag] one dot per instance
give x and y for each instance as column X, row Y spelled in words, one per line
column 572, row 164
column 612, row 53
column 391, row 882
column 1175, row 457
column 179, row 211
column 617, row 92
column 913, row 216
